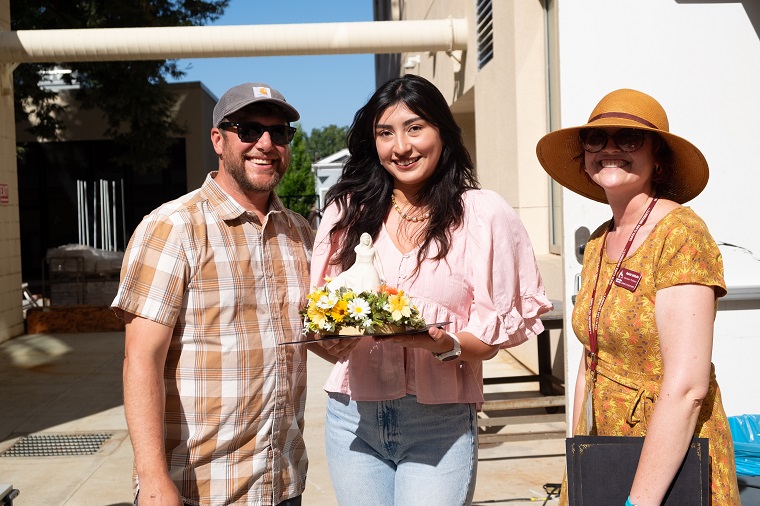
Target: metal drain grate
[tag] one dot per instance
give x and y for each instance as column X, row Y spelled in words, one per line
column 56, row 445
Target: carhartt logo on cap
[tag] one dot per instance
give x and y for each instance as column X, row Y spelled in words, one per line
column 262, row 92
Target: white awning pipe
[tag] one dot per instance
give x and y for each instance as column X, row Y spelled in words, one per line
column 112, row 44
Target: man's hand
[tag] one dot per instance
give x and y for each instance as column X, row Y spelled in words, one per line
column 158, row 491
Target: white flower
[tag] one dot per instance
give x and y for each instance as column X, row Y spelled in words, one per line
column 328, row 300
column 358, row 309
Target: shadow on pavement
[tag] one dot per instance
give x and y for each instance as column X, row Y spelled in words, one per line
column 51, row 379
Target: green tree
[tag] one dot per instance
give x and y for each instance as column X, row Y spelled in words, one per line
column 297, row 186
column 132, row 95
column 325, row 141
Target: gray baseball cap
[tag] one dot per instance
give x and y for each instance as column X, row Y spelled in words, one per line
column 242, row 95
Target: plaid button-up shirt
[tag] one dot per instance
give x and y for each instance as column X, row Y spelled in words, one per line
column 232, row 289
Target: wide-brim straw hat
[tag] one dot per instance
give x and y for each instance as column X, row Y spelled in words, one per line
column 561, row 154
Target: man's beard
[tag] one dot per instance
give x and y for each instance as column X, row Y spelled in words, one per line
column 235, row 166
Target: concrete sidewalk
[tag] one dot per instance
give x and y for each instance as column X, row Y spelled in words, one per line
column 69, row 385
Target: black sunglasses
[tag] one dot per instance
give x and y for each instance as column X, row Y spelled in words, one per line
column 249, row 131
column 629, row 140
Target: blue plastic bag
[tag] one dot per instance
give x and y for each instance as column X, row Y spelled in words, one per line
column 745, row 431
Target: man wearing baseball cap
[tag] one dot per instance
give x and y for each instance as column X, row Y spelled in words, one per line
column 211, row 284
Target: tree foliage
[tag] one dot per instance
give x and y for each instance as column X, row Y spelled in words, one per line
column 297, row 186
column 132, row 95
column 325, row 141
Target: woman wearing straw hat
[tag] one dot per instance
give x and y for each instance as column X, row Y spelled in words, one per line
column 646, row 307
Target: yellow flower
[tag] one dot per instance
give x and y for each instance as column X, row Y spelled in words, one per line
column 317, row 316
column 339, row 311
column 331, row 310
column 399, row 306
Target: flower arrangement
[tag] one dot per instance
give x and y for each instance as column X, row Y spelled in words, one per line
column 343, row 311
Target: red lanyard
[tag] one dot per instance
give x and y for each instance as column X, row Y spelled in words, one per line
column 593, row 328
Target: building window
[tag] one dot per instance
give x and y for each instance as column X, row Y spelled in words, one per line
column 485, row 32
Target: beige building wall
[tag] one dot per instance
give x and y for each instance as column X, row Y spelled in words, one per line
column 502, row 109
column 192, row 111
column 11, row 317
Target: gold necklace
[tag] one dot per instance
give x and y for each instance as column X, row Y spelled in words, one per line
column 413, row 219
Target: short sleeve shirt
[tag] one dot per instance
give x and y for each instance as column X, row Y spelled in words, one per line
column 231, row 288
column 679, row 250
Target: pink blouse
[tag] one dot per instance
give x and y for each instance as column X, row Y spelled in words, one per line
column 488, row 285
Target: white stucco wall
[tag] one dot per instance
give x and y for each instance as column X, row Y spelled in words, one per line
column 11, row 317
column 700, row 61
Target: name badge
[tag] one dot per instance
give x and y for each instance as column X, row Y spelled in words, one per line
column 627, row 279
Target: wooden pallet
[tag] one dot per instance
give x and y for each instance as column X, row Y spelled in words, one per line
column 68, row 319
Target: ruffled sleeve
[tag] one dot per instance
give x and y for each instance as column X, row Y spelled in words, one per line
column 509, row 295
column 689, row 255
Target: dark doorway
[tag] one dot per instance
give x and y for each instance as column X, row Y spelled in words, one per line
column 48, row 205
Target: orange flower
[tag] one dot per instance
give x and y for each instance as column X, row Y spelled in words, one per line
column 388, row 289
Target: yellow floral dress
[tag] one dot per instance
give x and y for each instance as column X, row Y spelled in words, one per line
column 679, row 250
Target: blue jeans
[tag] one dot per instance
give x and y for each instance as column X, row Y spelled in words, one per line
column 400, row 452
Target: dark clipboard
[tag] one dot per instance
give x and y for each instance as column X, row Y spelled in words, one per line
column 406, row 332
column 600, row 470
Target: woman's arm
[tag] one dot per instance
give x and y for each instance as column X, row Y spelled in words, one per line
column 438, row 341
column 508, row 292
column 580, row 392
column 324, row 248
column 333, row 350
column 685, row 315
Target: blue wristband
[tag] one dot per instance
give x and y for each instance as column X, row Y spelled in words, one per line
column 628, row 502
